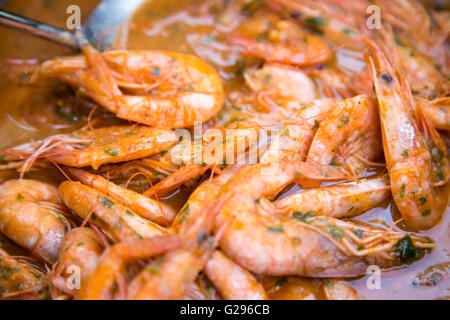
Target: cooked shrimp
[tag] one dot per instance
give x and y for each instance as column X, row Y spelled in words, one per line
column 181, row 260
column 351, row 130
column 94, row 147
column 81, row 248
column 338, row 201
column 335, row 84
column 143, row 206
column 281, row 41
column 156, row 88
column 408, row 157
column 438, row 111
column 232, row 281
column 170, row 276
column 284, row 84
column 294, row 139
column 315, row 246
column 333, row 19
column 424, row 28
column 229, row 148
column 32, row 215
column 117, row 220
column 421, row 71
column 101, row 282
column 20, row 280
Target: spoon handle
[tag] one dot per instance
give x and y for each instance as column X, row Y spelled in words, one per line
column 39, row 29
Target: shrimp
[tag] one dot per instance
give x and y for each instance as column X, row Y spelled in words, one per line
column 286, row 84
column 81, row 248
column 170, row 276
column 425, row 29
column 19, row 279
column 409, row 161
column 32, row 215
column 232, row 281
column 143, row 172
column 186, row 261
column 156, row 88
column 99, row 284
column 422, row 73
column 278, row 92
column 438, row 111
column 227, row 149
column 94, row 147
column 338, row 201
column 145, row 207
column 312, row 246
column 295, row 137
column 351, row 130
column 280, row 41
column 114, row 218
column 335, row 84
column 332, row 19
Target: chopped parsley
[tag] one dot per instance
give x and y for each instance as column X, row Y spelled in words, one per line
column 278, row 229
column 406, row 250
column 155, row 71
column 106, row 202
column 302, row 217
column 112, row 152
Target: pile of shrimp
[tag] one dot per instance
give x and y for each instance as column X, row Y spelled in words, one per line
column 350, row 141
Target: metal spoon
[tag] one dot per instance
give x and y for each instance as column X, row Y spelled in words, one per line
column 104, row 23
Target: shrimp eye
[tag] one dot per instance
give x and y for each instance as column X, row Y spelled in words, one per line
column 296, row 14
column 202, row 237
column 386, row 77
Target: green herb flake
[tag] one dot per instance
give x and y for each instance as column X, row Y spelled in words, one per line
column 152, row 270
column 405, row 153
column 278, row 229
column 359, row 233
column 317, row 21
column 406, row 250
column 184, row 213
column 316, row 124
column 302, row 217
column 79, row 244
column 106, row 202
column 402, row 190
column 347, row 31
column 129, row 133
column 335, row 231
column 422, row 200
column 155, row 71
column 328, row 283
column 281, row 282
column 112, row 152
column 426, row 213
column 128, row 212
column 344, row 120
column 296, row 240
column 19, row 197
column 252, row 5
column 399, row 42
column 437, row 154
